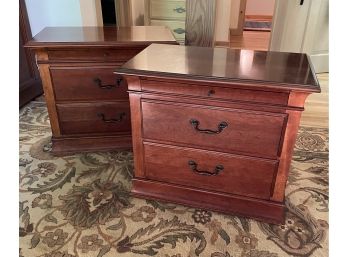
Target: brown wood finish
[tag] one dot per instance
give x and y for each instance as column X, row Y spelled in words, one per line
column 87, row 83
column 135, row 108
column 91, row 55
column 30, row 85
column 124, row 37
column 247, row 176
column 259, row 17
column 87, row 104
column 138, row 148
column 69, row 145
column 94, row 118
column 247, row 132
column 215, row 92
column 261, row 69
column 200, row 23
column 265, row 211
column 296, row 99
column 253, row 40
column 49, row 93
column 260, row 95
column 241, row 20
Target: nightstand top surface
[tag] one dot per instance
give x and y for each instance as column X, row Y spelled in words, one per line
column 101, row 36
column 277, row 69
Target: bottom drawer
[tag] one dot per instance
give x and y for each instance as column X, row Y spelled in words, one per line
column 92, row 118
column 210, row 170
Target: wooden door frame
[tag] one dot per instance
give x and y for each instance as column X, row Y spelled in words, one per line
column 240, row 27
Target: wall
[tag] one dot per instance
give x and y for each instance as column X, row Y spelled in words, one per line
column 222, row 20
column 91, row 13
column 260, row 7
column 303, row 29
column 45, row 13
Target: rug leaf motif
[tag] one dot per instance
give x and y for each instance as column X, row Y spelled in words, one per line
column 104, row 250
column 35, row 240
column 224, row 236
column 301, row 234
column 148, row 240
column 58, row 181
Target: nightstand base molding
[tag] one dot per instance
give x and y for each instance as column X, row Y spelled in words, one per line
column 265, row 211
column 64, row 146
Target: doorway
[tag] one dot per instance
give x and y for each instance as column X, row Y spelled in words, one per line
column 259, row 15
column 251, row 24
column 108, row 12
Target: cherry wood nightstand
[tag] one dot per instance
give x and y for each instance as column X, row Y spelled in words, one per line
column 215, row 128
column 88, row 105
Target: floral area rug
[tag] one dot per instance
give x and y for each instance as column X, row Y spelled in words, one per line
column 79, row 206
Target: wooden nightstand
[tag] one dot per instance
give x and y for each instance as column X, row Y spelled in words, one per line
column 215, row 128
column 87, row 104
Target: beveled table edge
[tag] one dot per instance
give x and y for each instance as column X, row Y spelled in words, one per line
column 211, row 79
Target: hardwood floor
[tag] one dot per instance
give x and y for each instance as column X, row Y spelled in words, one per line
column 253, row 40
column 316, row 112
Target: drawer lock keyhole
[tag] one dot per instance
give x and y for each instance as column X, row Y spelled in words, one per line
column 211, row 92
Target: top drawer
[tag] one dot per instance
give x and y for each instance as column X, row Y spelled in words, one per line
column 235, row 94
column 221, row 129
column 87, row 83
column 160, row 9
column 90, row 54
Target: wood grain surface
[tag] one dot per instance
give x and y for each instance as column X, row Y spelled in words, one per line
column 200, row 22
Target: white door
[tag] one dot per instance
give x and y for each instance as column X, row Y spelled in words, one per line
column 302, row 26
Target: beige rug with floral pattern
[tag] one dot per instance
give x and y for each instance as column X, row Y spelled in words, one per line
column 79, row 206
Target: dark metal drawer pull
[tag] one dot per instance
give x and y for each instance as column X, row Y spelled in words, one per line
column 193, row 165
column 221, row 126
column 99, row 83
column 179, row 31
column 120, row 118
column 179, row 10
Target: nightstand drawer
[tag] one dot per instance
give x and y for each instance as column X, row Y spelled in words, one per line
column 90, row 54
column 87, row 83
column 168, row 9
column 94, row 118
column 222, row 129
column 210, row 170
column 214, row 92
column 177, row 27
